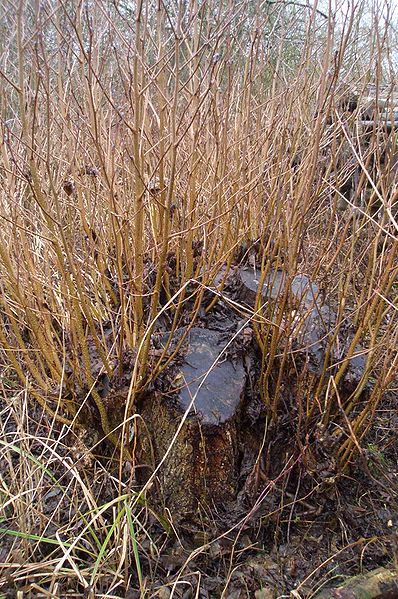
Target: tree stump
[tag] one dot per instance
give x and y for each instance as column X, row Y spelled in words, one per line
column 208, row 390
column 315, row 318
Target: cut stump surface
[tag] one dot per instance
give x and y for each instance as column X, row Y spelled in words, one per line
column 201, row 467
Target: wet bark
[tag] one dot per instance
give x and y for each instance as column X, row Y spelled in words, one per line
column 207, row 392
column 197, row 422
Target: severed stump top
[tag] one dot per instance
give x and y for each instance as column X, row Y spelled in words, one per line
column 216, row 382
column 302, row 288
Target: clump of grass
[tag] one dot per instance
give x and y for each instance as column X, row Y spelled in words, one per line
column 64, row 520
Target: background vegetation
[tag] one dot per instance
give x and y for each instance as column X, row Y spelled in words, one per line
column 144, row 144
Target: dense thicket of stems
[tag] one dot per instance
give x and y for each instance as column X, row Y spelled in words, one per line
column 134, row 134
